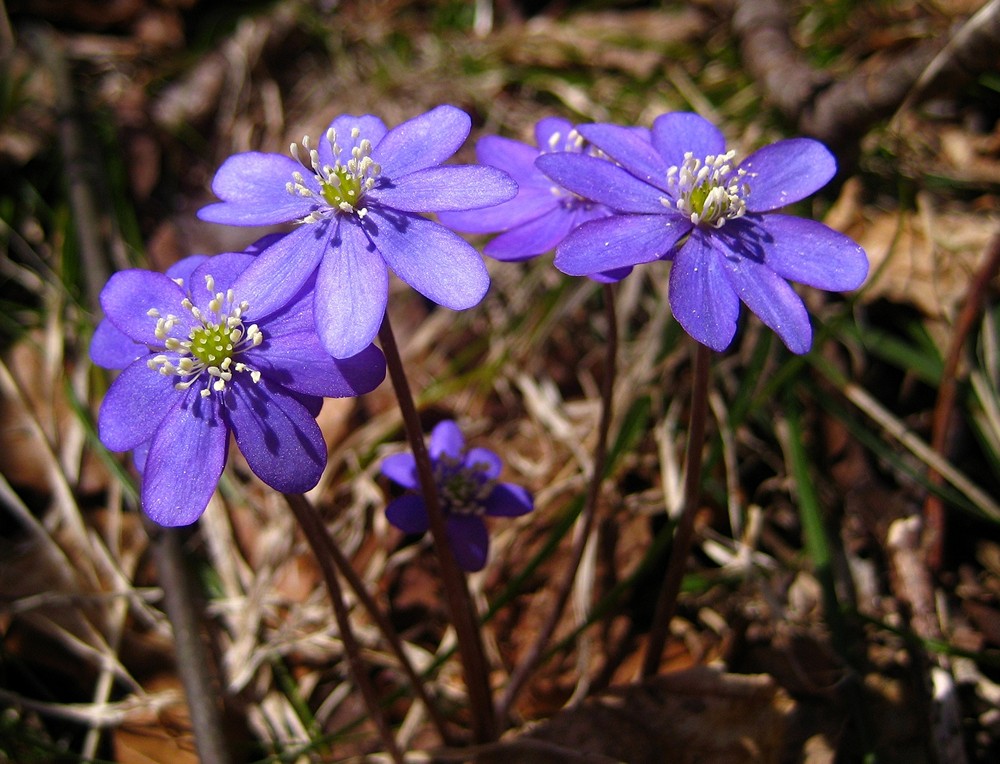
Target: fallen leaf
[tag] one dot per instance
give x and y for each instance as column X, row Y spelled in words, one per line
column 925, row 259
column 696, row 715
column 163, row 737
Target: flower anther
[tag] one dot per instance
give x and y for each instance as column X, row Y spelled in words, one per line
column 708, row 191
column 343, row 184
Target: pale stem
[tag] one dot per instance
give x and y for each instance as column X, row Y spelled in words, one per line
column 195, row 664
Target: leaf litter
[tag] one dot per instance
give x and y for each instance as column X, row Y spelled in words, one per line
column 87, row 658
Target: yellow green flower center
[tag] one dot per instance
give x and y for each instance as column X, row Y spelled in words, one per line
column 346, row 191
column 698, row 196
column 211, row 344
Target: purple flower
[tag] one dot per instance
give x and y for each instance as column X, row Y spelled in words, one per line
column 468, row 489
column 203, row 361
column 543, row 212
column 680, row 196
column 356, row 196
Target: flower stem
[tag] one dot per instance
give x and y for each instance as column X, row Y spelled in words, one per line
column 536, row 651
column 300, row 504
column 312, row 528
column 666, row 603
column 459, row 602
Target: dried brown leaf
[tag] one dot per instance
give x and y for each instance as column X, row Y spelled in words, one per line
column 695, row 715
column 925, row 260
column 162, row 737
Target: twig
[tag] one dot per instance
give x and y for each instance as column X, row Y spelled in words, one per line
column 463, row 616
column 537, row 649
column 381, row 620
column 315, row 533
column 680, row 548
column 772, row 58
column 944, row 406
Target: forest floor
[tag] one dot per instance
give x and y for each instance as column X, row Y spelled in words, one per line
column 843, row 599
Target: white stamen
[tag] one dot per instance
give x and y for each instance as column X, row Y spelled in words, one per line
column 342, row 185
column 210, row 347
column 707, row 191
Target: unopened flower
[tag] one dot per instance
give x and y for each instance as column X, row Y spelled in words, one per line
column 207, row 363
column 357, row 195
column 543, row 212
column 682, row 196
column 468, row 489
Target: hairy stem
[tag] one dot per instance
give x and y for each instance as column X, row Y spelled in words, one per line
column 315, row 533
column 536, row 651
column 666, row 603
column 374, row 611
column 459, row 602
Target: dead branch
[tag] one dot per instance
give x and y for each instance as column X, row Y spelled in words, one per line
column 840, row 112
